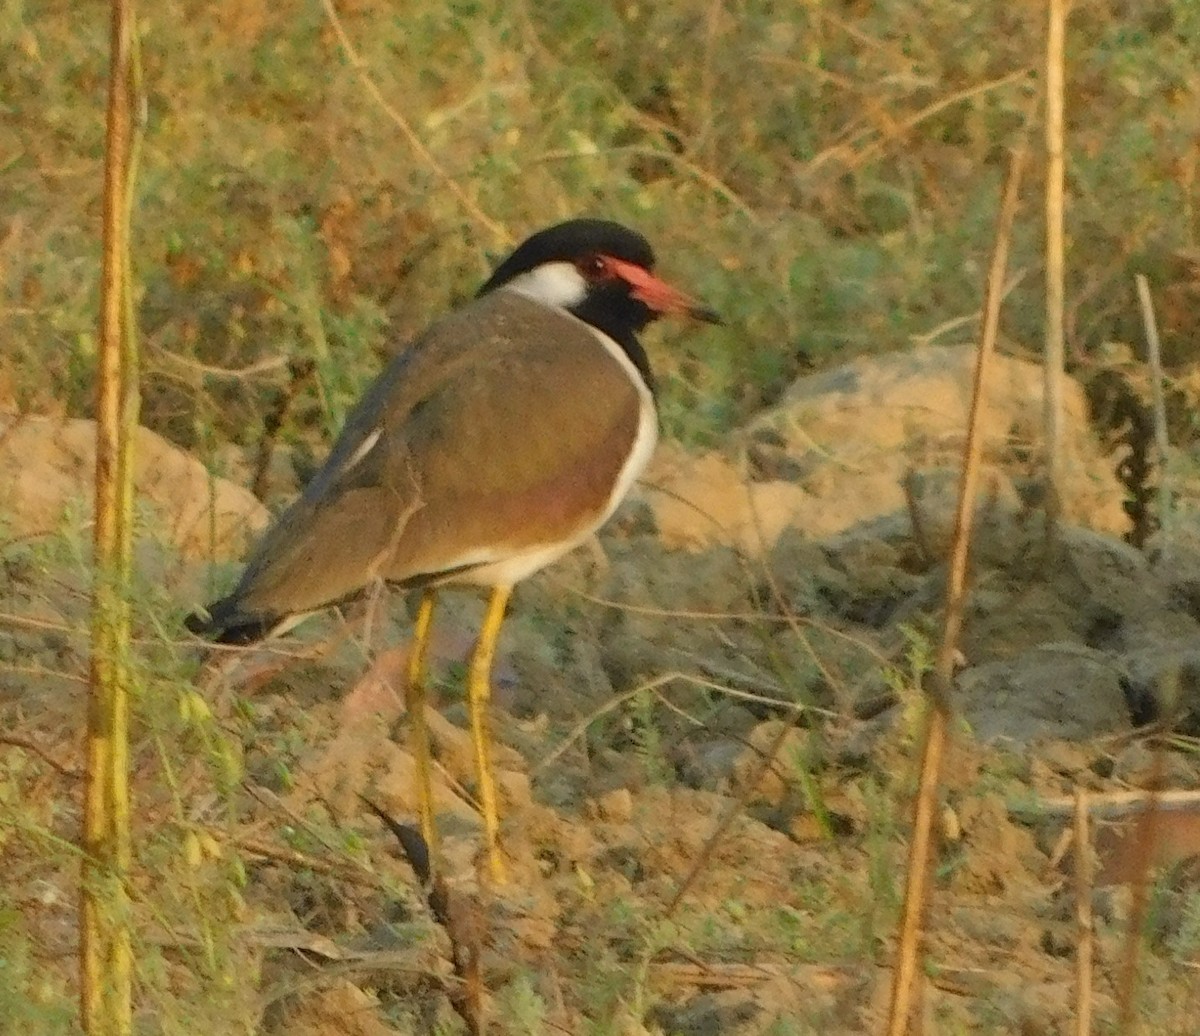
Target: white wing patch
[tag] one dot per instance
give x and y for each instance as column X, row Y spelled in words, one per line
column 367, row 445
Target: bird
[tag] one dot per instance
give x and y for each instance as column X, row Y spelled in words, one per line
column 503, row 437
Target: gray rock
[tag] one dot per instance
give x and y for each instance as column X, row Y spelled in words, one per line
column 1054, row 691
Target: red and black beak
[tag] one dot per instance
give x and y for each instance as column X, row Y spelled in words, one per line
column 658, row 294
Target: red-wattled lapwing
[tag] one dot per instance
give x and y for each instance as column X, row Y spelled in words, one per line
column 501, row 439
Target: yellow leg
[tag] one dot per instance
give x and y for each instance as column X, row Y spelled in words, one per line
column 479, row 691
column 417, row 731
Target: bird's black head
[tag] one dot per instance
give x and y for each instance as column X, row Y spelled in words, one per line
column 598, row 270
column 570, row 242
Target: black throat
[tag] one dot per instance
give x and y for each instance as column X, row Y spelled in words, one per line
column 608, row 307
column 621, row 318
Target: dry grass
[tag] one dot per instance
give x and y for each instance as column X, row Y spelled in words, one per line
column 825, row 185
column 836, row 202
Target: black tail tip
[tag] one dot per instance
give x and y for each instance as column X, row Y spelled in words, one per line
column 200, row 623
column 221, row 623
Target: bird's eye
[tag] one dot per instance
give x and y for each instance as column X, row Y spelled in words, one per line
column 594, row 267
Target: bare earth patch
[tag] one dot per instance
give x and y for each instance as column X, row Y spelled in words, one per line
column 706, row 757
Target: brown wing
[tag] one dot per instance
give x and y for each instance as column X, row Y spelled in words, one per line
column 504, row 427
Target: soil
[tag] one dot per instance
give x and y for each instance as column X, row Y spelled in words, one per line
column 707, row 755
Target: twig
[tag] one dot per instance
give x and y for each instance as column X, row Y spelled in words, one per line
column 299, row 373
column 916, row 517
column 699, row 974
column 652, row 686
column 294, row 858
column 946, row 326
column 901, row 129
column 459, row 917
column 679, row 614
column 703, row 146
column 1083, row 916
column 1111, row 804
column 41, row 753
column 263, row 366
column 29, row 622
column 402, row 124
column 1052, row 399
column 765, row 762
column 920, row 849
column 580, row 728
column 44, row 672
column 1154, row 359
column 644, row 120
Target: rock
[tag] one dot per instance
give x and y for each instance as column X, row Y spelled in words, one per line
column 1067, row 758
column 364, row 760
column 47, row 467
column 708, row 1014
column 1140, row 766
column 708, row 765
column 774, row 783
column 701, row 500
column 1094, row 591
column 677, row 614
column 866, row 440
column 556, row 658
column 1164, row 683
column 857, row 432
column 1053, row 691
column 999, row 853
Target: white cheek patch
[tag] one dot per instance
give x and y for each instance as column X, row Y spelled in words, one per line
column 552, row 284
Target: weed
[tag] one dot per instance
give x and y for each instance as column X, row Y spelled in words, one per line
column 828, row 186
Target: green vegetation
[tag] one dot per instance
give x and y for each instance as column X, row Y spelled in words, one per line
column 825, row 174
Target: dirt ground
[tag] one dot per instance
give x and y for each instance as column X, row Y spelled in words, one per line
column 707, row 734
column 708, row 724
column 668, row 875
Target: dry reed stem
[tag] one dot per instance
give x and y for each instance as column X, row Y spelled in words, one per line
column 1052, row 399
column 920, row 849
column 1085, row 941
column 1154, row 359
column 105, row 953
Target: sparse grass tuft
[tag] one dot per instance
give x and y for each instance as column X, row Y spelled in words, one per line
column 838, row 200
column 825, row 177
